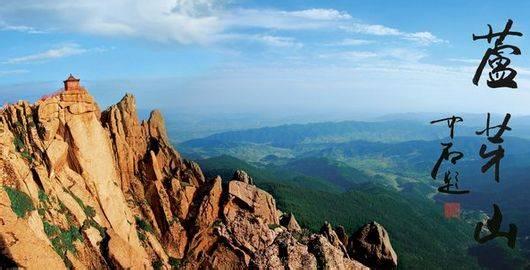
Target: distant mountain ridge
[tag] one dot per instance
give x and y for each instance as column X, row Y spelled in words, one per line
column 287, row 135
column 388, row 130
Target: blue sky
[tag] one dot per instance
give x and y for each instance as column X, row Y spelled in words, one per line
column 282, row 57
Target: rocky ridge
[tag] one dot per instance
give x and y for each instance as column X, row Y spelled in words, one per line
column 89, row 189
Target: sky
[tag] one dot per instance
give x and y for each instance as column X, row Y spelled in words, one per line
column 264, row 57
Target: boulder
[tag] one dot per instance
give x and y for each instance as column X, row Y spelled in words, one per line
column 371, row 246
column 260, row 203
column 287, row 253
column 328, row 232
column 242, row 176
column 250, row 214
column 288, row 221
column 330, row 257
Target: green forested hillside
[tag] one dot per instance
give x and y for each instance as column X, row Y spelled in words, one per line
column 341, row 173
column 423, row 238
column 419, row 233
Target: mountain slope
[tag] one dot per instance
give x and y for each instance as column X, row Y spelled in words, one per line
column 81, row 188
column 419, row 232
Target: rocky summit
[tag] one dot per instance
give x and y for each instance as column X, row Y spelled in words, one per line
column 89, row 189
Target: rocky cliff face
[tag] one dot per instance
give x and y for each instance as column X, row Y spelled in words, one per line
column 88, row 189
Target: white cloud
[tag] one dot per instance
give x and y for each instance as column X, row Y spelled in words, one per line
column 360, row 55
column 182, row 21
column 465, row 60
column 392, row 56
column 309, row 19
column 277, row 41
column 353, row 55
column 422, row 38
column 12, row 72
column 20, row 28
column 320, row 14
column 405, row 55
column 196, row 7
column 372, row 29
column 60, row 52
column 522, row 71
column 265, row 39
column 351, row 42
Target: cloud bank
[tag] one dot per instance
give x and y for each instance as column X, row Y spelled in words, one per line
column 201, row 22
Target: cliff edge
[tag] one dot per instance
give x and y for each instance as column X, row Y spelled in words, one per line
column 89, row 189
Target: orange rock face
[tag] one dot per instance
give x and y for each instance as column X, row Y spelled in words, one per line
column 371, row 245
column 81, row 188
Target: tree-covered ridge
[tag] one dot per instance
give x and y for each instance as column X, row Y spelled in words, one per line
column 422, row 237
column 314, row 172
